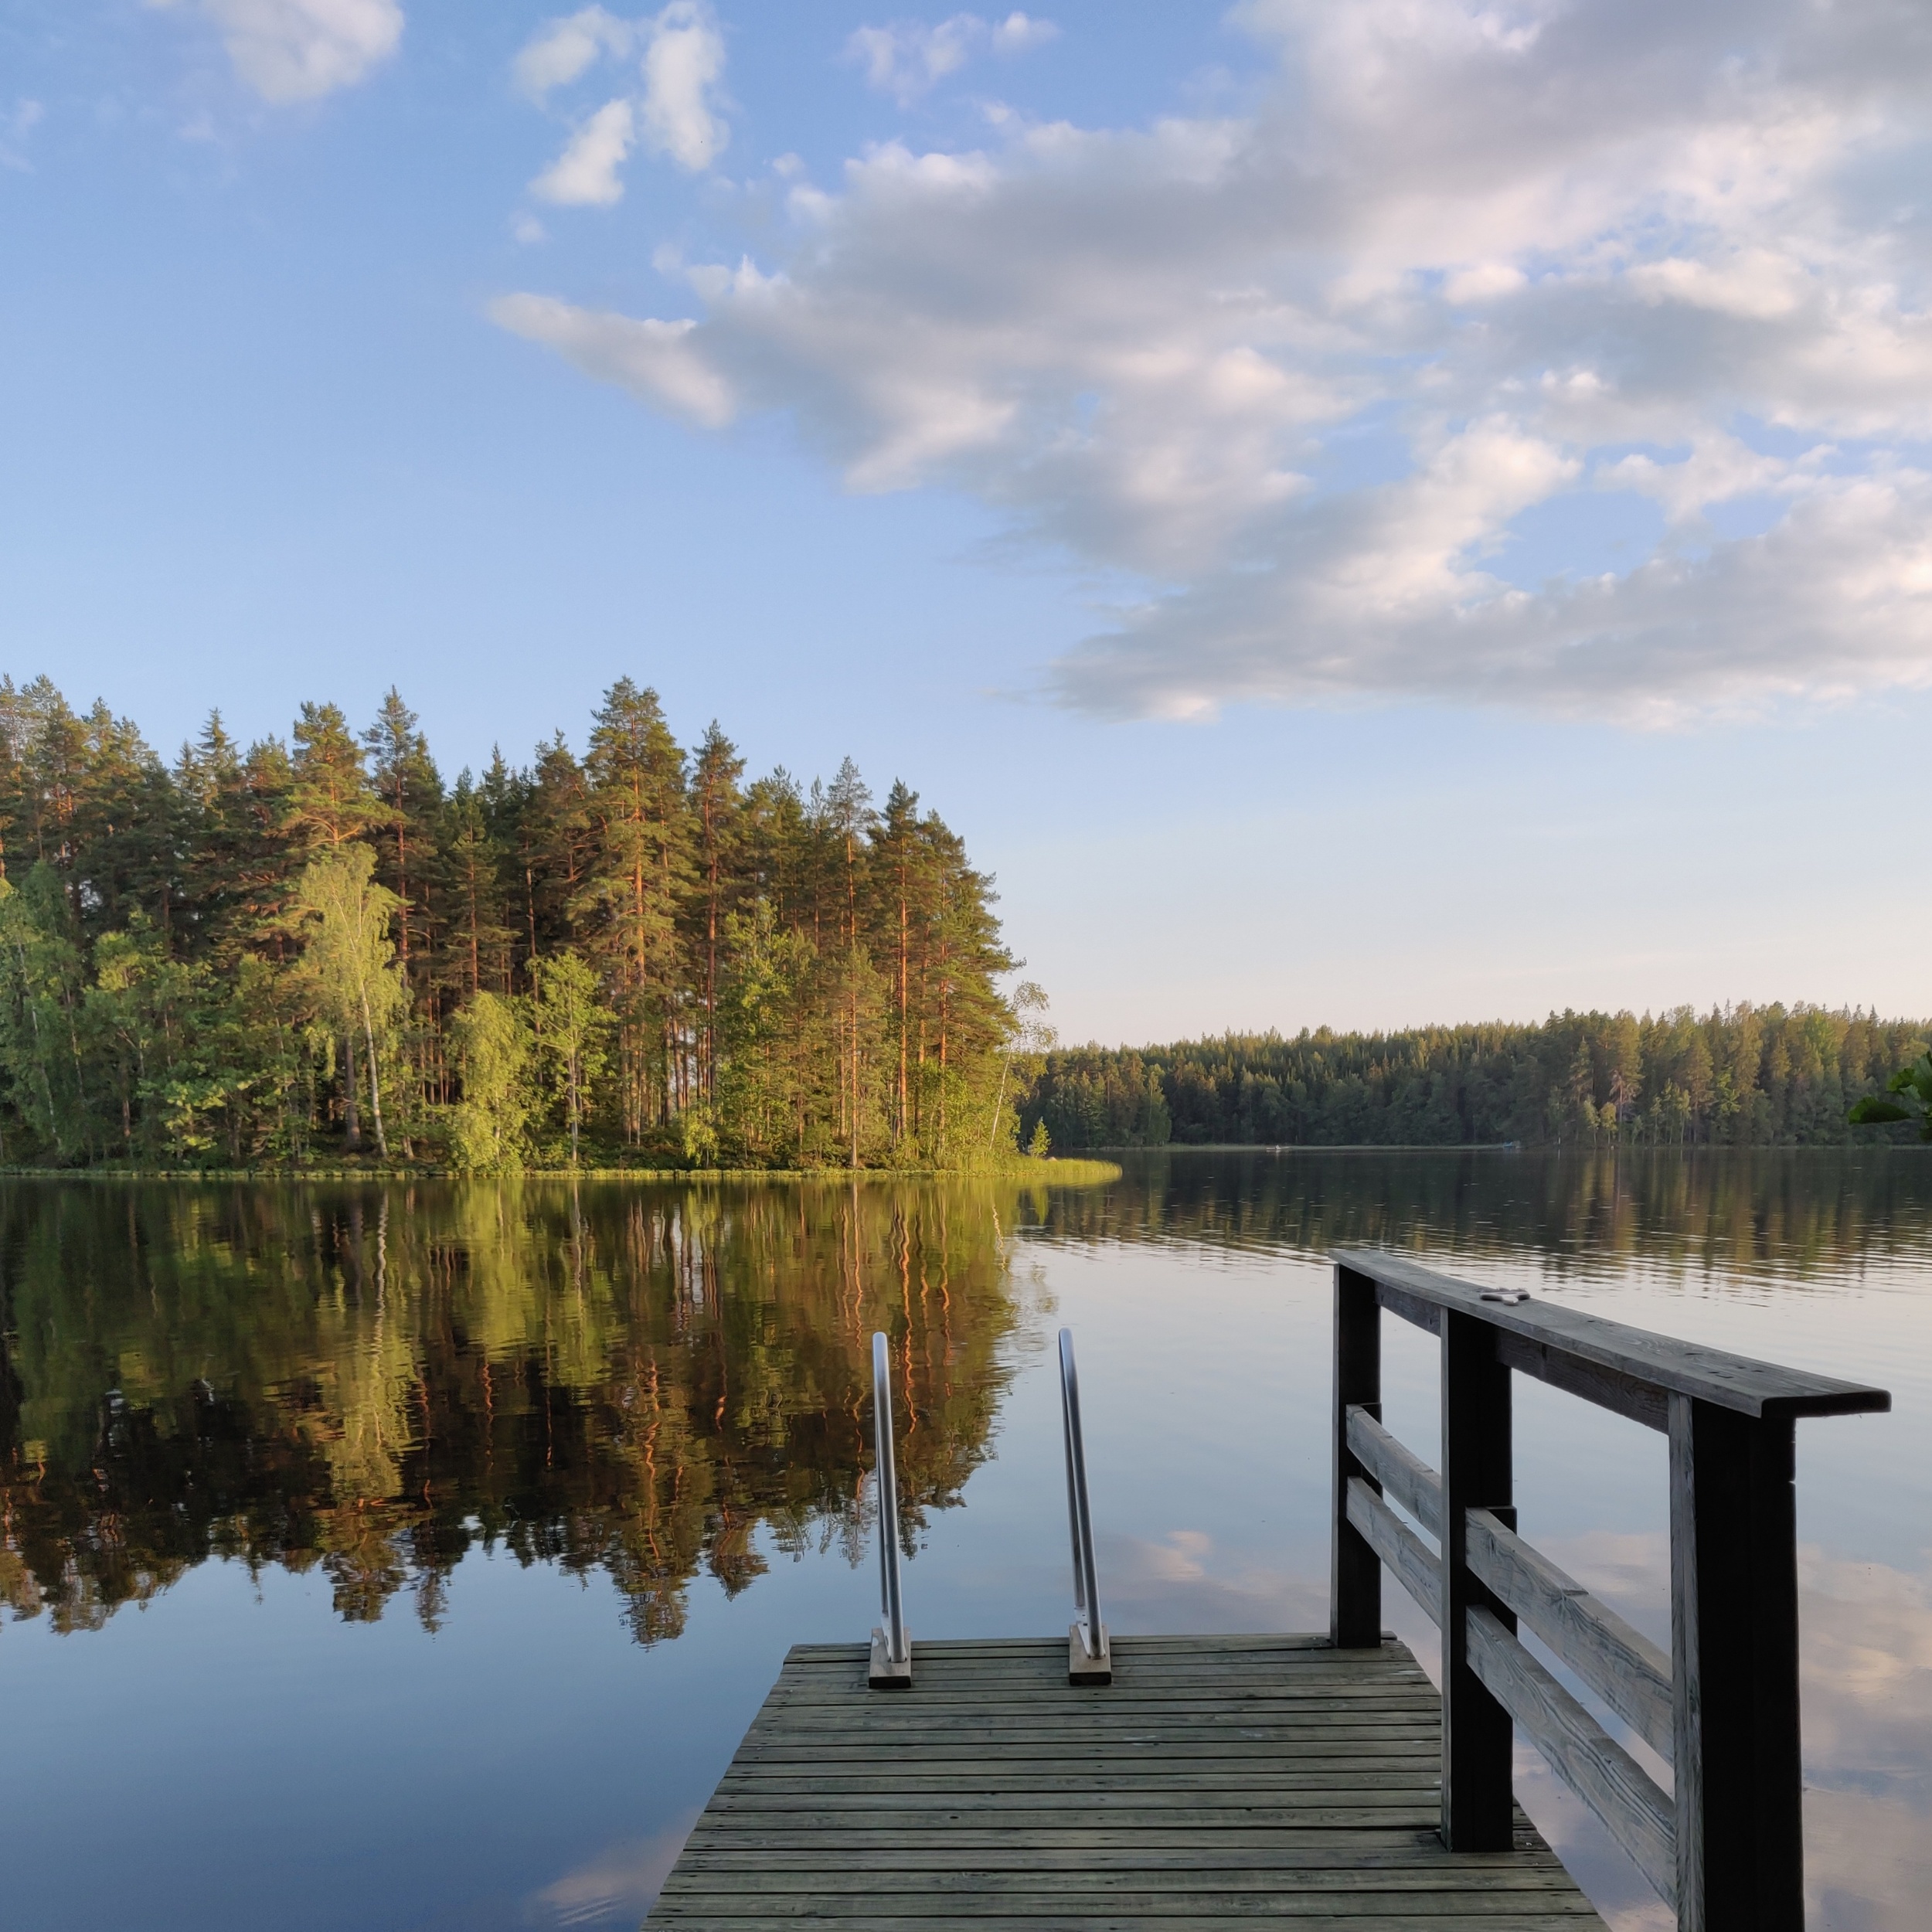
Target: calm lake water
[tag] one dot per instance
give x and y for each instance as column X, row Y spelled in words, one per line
column 412, row 1557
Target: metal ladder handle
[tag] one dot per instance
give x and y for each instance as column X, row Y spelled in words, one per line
column 1091, row 1631
column 892, row 1604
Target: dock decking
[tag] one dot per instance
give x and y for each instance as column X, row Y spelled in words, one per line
column 1218, row 1780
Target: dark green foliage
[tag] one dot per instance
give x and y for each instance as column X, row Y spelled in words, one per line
column 758, row 976
column 1915, row 1083
column 1743, row 1075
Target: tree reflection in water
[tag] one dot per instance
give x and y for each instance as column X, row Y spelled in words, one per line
column 1790, row 1214
column 376, row 1379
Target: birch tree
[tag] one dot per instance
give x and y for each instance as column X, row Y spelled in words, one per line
column 350, row 959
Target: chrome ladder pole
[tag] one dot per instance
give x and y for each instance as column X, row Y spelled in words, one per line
column 891, row 1667
column 1089, row 1659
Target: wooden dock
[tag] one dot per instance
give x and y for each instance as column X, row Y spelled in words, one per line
column 1008, row 1786
column 1218, row 1780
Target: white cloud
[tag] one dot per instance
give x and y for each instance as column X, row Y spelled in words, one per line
column 909, row 58
column 564, row 50
column 1514, row 252
column 682, row 65
column 1718, row 469
column 650, row 358
column 289, row 50
column 674, row 115
column 585, row 174
column 1020, row 33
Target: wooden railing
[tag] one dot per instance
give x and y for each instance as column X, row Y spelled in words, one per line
column 1724, row 1847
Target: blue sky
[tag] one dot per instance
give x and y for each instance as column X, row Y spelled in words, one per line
column 1362, row 513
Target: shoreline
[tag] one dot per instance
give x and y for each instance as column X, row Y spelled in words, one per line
column 1057, row 1173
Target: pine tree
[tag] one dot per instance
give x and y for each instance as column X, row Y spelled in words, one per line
column 626, row 909
column 330, row 799
column 717, row 811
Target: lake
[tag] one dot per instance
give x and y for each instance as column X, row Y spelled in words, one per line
column 412, row 1556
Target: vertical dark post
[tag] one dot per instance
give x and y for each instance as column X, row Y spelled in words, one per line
column 1477, row 1735
column 1355, row 1570
column 1733, row 1560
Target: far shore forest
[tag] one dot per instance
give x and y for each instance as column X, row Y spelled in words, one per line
column 1741, row 1076
column 320, row 952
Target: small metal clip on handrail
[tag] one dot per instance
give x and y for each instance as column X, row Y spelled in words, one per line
column 891, row 1667
column 1088, row 1661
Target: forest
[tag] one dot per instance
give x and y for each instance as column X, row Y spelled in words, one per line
column 320, row 952
column 1739, row 1075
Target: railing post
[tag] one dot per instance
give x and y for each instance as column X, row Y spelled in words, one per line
column 1733, row 1548
column 1355, row 1570
column 1478, row 1739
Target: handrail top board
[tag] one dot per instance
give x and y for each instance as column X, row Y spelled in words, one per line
column 1735, row 1381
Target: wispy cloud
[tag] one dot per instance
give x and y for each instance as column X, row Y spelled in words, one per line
column 562, row 51
column 1537, row 251
column 908, row 57
column 15, row 127
column 290, row 50
column 650, row 357
column 675, row 112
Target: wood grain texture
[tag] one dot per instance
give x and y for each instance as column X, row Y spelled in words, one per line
column 1219, row 1780
column 1636, row 1813
column 1632, row 1357
column 1414, row 1563
column 1619, row 1664
column 1401, row 1472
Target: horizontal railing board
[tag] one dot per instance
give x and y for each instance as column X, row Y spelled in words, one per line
column 1401, row 1472
column 1629, row 1672
column 1733, row 1382
column 1637, row 1812
column 1416, row 1568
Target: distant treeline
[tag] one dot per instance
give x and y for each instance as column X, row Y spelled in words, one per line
column 1739, row 1075
column 288, row 952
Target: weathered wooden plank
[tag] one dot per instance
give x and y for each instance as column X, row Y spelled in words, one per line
column 1396, row 1544
column 1248, row 1756
column 969, row 1904
column 1634, row 1811
column 1624, row 1395
column 966, row 1723
column 1733, row 1382
column 1452, row 1909
column 1256, row 1781
column 965, row 1728
column 1310, row 1848
column 1399, row 1747
column 1419, row 1309
column 1629, row 1672
column 745, row 1876
column 1402, row 1474
column 1272, row 1806
column 1338, row 1865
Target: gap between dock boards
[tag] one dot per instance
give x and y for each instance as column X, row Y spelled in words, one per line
column 1219, row 1780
